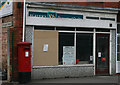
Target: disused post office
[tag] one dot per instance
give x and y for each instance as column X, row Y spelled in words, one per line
column 71, row 40
column 67, row 40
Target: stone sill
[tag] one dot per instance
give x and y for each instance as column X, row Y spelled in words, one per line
column 64, row 66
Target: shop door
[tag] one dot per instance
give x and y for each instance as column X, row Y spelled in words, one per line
column 102, row 54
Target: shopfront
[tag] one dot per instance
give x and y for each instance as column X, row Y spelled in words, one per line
column 71, row 41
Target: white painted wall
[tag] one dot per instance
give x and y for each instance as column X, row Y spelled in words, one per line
column 71, row 22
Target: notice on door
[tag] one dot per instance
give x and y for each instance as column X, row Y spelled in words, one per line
column 45, row 48
column 68, row 55
column 99, row 54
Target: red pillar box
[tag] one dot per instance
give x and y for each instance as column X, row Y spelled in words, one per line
column 24, row 61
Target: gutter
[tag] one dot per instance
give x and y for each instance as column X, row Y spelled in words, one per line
column 24, row 11
column 74, row 6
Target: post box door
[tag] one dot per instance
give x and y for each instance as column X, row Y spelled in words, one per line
column 27, row 59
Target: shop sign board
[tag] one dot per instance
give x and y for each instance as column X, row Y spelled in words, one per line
column 68, row 55
column 6, row 8
column 54, row 15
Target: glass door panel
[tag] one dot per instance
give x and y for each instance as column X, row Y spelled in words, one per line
column 84, row 48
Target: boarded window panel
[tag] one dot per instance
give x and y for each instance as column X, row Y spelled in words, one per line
column 45, row 58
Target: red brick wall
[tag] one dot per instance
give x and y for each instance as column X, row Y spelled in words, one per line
column 96, row 4
column 15, row 37
column 4, row 48
column 4, row 41
column 18, row 14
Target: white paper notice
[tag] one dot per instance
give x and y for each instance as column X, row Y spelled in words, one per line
column 99, row 54
column 91, row 58
column 45, row 48
column 26, row 54
column 68, row 55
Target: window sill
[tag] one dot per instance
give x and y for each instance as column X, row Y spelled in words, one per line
column 64, row 66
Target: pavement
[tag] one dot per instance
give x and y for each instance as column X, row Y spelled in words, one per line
column 95, row 80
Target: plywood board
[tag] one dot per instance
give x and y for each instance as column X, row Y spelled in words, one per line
column 41, row 57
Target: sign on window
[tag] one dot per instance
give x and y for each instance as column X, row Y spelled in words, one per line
column 68, row 55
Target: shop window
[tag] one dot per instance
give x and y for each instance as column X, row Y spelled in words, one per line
column 84, row 29
column 65, row 39
column 118, row 40
column 43, row 28
column 118, row 56
column 94, row 18
column 65, row 28
column 84, row 48
column 118, row 28
column 118, row 47
column 110, row 19
column 102, row 30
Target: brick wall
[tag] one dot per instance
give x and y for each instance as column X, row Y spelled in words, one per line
column 4, row 49
column 18, row 15
column 96, row 4
column 15, row 37
column 4, row 42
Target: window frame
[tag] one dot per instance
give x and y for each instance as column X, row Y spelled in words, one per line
column 75, row 32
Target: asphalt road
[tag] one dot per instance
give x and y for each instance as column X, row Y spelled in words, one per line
column 96, row 80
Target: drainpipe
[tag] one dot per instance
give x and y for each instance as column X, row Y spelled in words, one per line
column 12, row 59
column 24, row 22
column 8, row 59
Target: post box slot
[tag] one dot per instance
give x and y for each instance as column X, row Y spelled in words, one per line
column 27, row 48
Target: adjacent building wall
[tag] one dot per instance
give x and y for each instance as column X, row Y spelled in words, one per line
column 15, row 37
column 5, row 36
column 96, row 4
column 14, row 34
column 113, row 51
column 0, row 43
